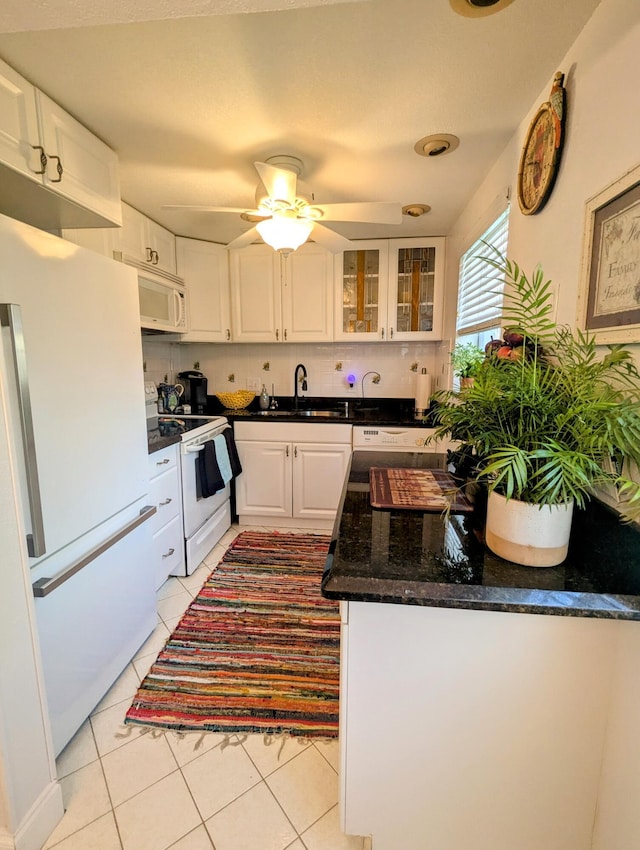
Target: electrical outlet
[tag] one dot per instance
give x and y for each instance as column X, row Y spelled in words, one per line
column 253, row 384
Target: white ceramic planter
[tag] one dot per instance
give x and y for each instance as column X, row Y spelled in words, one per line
column 528, row 534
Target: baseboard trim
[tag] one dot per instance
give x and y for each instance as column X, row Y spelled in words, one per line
column 39, row 822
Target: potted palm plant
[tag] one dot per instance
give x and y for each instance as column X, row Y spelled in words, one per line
column 548, row 421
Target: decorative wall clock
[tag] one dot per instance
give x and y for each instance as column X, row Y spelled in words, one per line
column 540, row 157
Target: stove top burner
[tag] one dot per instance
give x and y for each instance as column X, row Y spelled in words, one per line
column 171, row 426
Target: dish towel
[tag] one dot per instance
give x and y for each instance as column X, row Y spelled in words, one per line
column 236, row 466
column 222, row 456
column 208, row 476
column 216, row 465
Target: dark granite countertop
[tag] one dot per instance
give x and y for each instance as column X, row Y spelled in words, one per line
column 380, row 411
column 416, row 558
column 156, row 441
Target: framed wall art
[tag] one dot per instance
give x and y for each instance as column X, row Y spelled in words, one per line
column 609, row 297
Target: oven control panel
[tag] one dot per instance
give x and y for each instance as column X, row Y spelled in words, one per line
column 389, row 438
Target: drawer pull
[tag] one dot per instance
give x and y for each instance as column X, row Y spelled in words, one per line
column 162, row 462
column 166, row 502
column 169, row 553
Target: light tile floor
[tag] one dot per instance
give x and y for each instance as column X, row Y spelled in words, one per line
column 126, row 790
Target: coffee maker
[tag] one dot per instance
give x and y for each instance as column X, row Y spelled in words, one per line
column 195, row 390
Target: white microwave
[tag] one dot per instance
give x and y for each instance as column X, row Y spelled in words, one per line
column 163, row 303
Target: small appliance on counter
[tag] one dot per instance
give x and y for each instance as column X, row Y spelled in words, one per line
column 195, row 390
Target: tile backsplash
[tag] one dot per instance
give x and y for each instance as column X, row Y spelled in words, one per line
column 327, row 364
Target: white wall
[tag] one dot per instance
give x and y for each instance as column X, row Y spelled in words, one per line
column 602, row 77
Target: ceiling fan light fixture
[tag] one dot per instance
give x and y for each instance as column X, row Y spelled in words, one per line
column 284, row 233
column 436, row 144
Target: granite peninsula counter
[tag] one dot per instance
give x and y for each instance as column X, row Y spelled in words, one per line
column 410, row 557
column 488, row 716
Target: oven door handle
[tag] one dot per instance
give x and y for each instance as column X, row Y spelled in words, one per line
column 193, row 449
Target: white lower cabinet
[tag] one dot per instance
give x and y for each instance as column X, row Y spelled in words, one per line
column 494, row 727
column 166, row 525
column 292, row 473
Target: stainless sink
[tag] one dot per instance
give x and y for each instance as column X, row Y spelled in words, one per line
column 338, row 414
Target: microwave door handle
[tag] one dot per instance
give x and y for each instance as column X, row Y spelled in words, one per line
column 11, row 317
column 180, row 312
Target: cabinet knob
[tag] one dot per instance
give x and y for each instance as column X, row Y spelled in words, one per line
column 277, row 334
column 287, row 450
column 149, row 255
column 155, row 257
column 390, row 333
column 381, row 333
column 285, row 334
column 295, row 451
column 228, row 334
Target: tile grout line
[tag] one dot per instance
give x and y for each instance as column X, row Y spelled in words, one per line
column 268, row 787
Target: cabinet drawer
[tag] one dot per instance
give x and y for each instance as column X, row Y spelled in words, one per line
column 164, row 493
column 168, row 550
column 162, row 461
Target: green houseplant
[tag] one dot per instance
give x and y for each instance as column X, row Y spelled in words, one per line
column 466, row 359
column 547, row 418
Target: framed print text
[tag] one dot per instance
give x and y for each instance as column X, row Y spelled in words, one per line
column 609, row 302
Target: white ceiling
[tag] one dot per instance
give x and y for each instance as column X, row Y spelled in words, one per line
column 189, row 103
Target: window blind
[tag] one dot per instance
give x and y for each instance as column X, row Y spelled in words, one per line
column 480, row 289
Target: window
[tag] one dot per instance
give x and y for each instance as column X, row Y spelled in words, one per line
column 479, row 293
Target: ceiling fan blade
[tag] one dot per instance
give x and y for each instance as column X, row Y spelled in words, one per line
column 280, row 183
column 330, row 239
column 196, row 208
column 244, row 239
column 372, row 213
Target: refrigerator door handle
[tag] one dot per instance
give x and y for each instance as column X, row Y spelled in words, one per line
column 11, row 317
column 45, row 586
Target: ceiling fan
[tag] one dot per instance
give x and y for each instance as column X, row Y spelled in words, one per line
column 285, row 216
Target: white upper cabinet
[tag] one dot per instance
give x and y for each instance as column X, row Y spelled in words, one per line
column 390, row 289
column 204, row 267
column 362, row 283
column 416, row 289
column 281, row 299
column 255, row 294
column 307, row 294
column 41, row 142
column 144, row 242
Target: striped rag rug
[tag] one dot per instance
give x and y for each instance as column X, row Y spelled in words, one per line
column 256, row 651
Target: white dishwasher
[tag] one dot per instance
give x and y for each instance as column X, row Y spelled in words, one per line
column 391, row 438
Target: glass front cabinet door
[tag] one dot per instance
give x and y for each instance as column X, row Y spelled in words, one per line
column 416, row 288
column 391, row 289
column 362, row 280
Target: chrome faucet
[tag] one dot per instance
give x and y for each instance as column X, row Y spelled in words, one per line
column 375, row 380
column 295, row 383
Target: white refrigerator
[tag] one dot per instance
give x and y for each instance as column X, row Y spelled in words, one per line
column 71, row 386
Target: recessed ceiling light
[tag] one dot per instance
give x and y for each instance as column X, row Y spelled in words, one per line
column 478, row 8
column 436, row 144
column 416, row 210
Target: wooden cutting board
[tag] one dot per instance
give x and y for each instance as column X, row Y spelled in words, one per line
column 415, row 490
